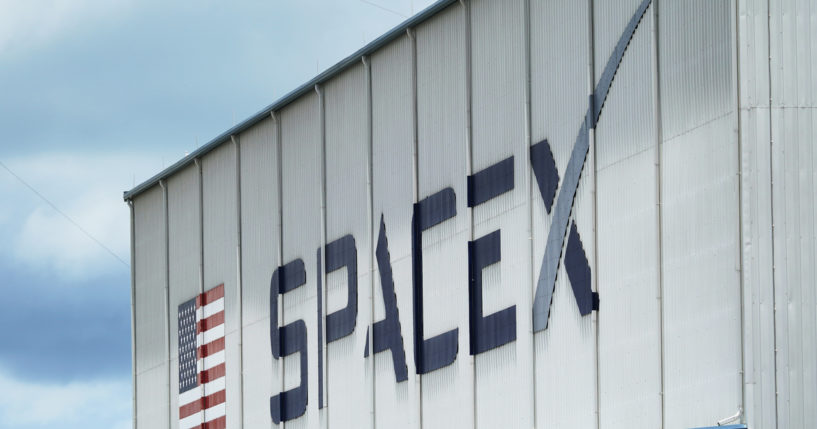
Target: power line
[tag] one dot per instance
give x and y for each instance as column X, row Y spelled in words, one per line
column 63, row 214
column 383, row 8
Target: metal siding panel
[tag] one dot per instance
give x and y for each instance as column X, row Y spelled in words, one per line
column 151, row 269
column 220, row 201
column 173, row 416
column 259, row 218
column 261, row 371
column 610, row 17
column 184, row 256
column 794, row 244
column 503, row 376
column 565, row 365
column 807, row 199
column 695, row 62
column 559, row 48
column 347, row 195
column 151, row 314
column 793, row 28
column 441, row 104
column 799, row 194
column 184, row 243
column 702, row 312
column 758, row 282
column 260, row 243
column 232, row 357
column 565, row 353
column 152, row 396
column 782, row 267
column 700, row 219
column 442, row 155
column 629, row 319
column 302, row 197
column 633, row 81
column 498, row 82
column 753, row 45
column 792, row 31
column 220, row 220
column 808, row 242
column 396, row 404
column 757, row 269
column 393, row 144
column 782, row 270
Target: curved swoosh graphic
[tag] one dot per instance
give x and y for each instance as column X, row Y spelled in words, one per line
column 564, row 203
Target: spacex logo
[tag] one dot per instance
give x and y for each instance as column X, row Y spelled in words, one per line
column 486, row 331
column 430, row 354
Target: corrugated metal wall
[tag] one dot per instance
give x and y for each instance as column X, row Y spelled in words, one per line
column 347, row 212
column 694, row 206
column 699, row 212
column 503, row 377
column 793, row 110
column 150, row 300
column 220, row 258
column 393, row 193
column 184, row 260
column 442, row 152
column 776, row 52
column 260, row 253
column 565, row 387
column 630, row 320
column 303, row 217
column 760, row 390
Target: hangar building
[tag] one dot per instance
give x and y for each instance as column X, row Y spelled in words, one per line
column 516, row 214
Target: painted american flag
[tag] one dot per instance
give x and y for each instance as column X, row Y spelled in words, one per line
column 202, row 387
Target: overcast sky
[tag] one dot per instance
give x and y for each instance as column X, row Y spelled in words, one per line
column 99, row 95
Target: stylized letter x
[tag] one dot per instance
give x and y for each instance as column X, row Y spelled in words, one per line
column 547, row 179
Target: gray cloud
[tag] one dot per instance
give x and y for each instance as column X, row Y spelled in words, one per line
column 63, row 331
column 166, row 73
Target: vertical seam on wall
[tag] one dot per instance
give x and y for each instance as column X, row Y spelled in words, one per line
column 656, row 98
column 200, row 167
column 201, row 224
column 163, row 185
column 322, row 246
column 771, row 204
column 469, row 169
column 416, row 185
column 529, row 193
column 276, row 117
column 370, row 225
column 592, row 137
column 239, row 286
column 735, row 36
column 133, row 306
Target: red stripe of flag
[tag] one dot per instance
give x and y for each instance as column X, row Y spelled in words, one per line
column 212, row 347
column 202, row 403
column 190, row 409
column 219, row 423
column 219, row 397
column 210, row 322
column 211, row 374
column 210, row 296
